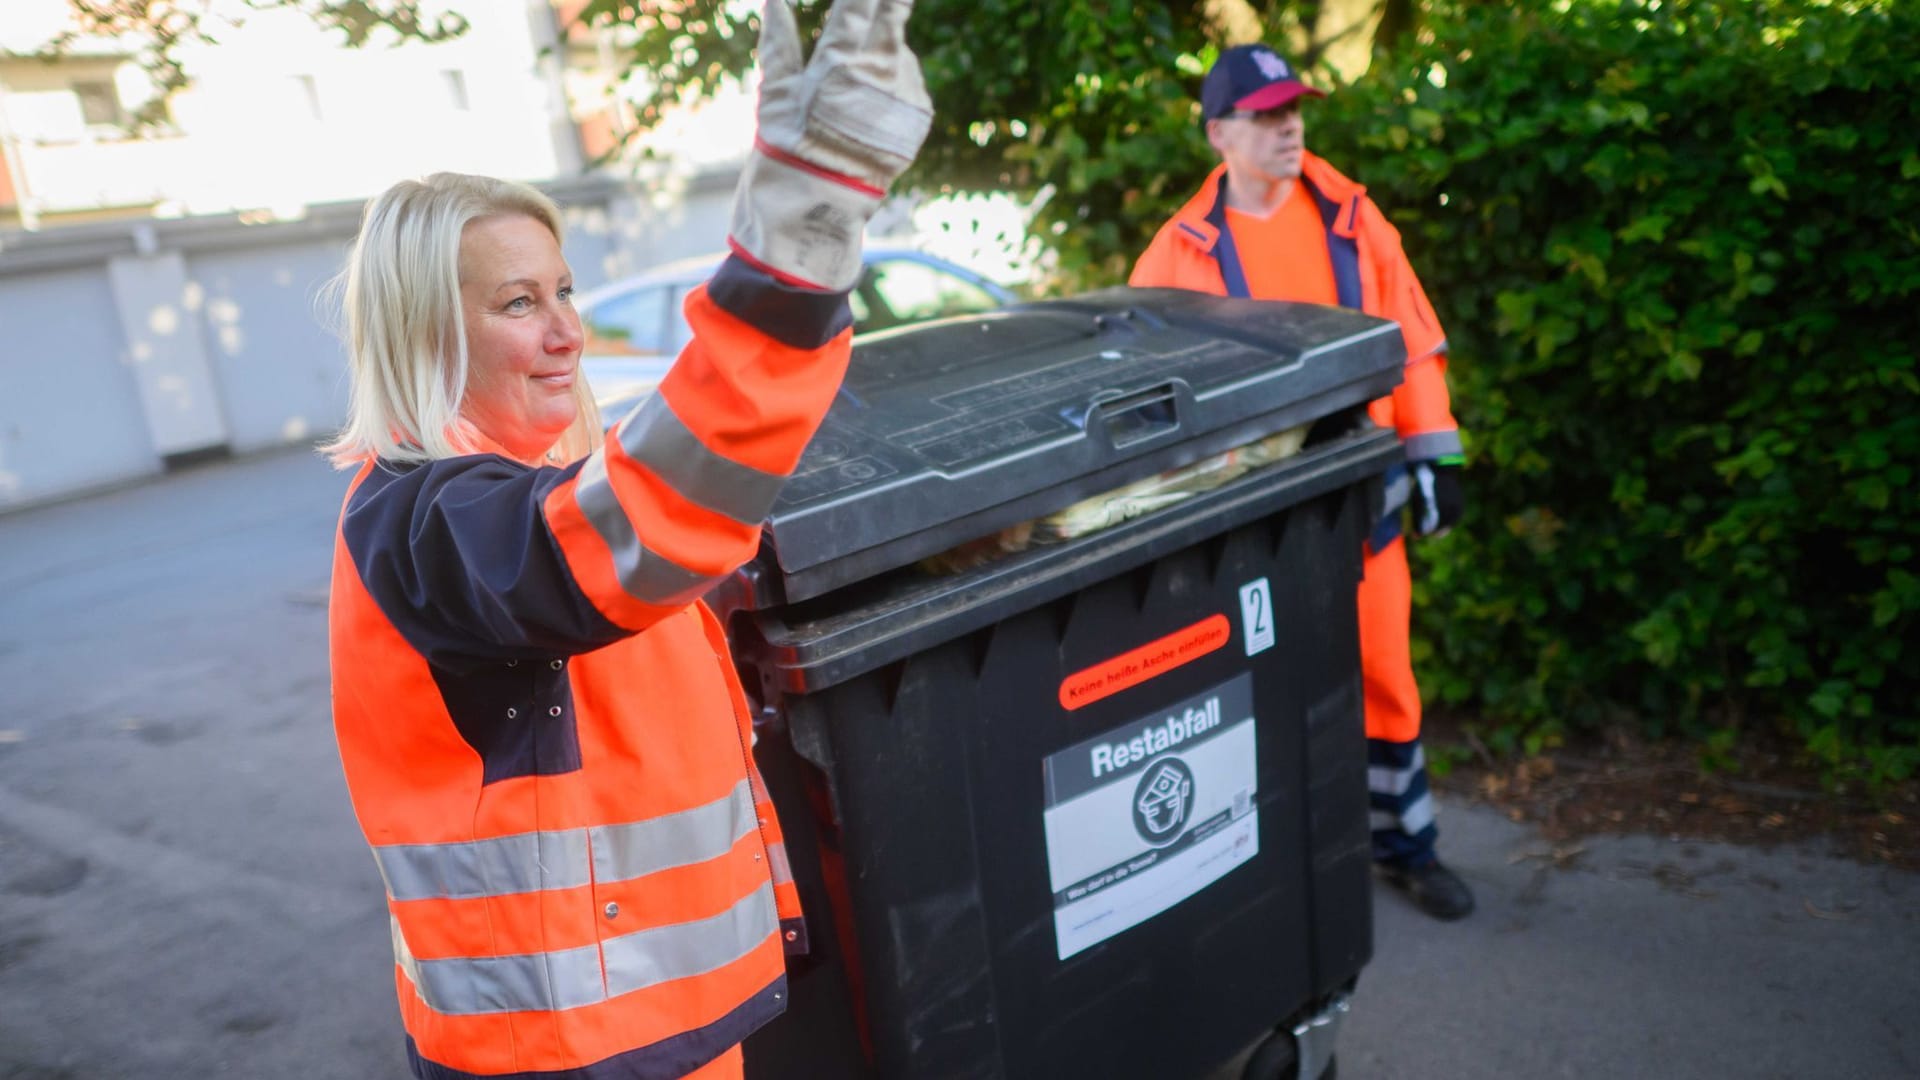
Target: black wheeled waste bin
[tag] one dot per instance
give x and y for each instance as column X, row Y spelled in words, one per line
column 1067, row 803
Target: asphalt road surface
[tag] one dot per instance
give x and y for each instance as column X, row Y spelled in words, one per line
column 183, row 892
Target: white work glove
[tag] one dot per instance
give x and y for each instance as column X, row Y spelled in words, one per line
column 833, row 135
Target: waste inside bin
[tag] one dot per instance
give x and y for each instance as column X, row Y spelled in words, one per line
column 1096, row 807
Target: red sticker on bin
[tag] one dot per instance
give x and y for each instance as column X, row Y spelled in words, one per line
column 1135, row 666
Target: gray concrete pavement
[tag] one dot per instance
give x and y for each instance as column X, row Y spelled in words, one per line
column 183, row 892
column 1643, row 957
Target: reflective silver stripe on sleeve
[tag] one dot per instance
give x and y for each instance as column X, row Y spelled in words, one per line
column 1386, row 780
column 649, row 957
column 777, row 862
column 1399, row 489
column 644, row 575
column 532, row 982
column 521, row 863
column 654, row 436
column 624, row 852
column 1434, row 444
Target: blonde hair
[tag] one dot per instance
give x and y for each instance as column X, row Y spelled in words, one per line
column 399, row 298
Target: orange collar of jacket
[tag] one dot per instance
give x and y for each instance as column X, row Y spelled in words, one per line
column 1191, row 224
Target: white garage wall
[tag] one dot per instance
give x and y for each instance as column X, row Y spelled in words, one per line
column 127, row 345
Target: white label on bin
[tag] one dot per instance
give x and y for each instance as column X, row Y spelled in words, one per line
column 1256, row 615
column 1145, row 815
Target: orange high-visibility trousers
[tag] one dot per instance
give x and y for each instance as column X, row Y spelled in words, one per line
column 1386, row 660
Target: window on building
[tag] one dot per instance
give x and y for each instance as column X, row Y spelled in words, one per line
column 306, row 96
column 455, row 83
column 99, row 103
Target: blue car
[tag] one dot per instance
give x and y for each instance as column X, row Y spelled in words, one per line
column 635, row 327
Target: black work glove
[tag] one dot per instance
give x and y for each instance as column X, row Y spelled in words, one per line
column 1437, row 502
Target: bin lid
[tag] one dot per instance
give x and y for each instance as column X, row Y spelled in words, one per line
column 948, row 431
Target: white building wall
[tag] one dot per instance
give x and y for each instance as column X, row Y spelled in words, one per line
column 293, row 118
column 127, row 344
column 281, row 113
column 165, row 352
column 239, row 350
column 270, row 344
column 71, row 417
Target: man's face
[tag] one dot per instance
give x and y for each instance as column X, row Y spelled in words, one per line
column 1266, row 145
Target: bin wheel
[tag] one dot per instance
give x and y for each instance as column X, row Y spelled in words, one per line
column 1277, row 1058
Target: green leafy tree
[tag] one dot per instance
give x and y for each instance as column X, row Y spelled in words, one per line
column 1674, row 242
column 1087, row 109
column 1675, row 246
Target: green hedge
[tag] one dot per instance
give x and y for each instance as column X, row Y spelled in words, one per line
column 1677, row 249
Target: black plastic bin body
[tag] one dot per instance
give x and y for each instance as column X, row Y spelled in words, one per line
column 1096, row 808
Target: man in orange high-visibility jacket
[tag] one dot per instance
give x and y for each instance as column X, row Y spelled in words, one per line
column 1274, row 222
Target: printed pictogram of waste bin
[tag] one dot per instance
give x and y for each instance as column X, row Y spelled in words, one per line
column 1053, row 641
column 1161, row 805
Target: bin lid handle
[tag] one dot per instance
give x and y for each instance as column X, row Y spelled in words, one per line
column 1128, row 419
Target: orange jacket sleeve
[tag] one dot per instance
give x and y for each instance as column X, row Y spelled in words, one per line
column 673, row 501
column 1155, row 268
column 480, row 556
column 1421, row 408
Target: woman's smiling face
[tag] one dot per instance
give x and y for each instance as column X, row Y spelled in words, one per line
column 523, row 335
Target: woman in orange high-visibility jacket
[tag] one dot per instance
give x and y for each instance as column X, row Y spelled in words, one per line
column 543, row 737
column 1275, row 222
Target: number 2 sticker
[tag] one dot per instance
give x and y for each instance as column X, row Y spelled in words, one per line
column 1256, row 615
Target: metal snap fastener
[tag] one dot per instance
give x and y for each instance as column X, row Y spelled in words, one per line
column 613, row 910
column 511, row 713
column 513, row 663
column 793, row 935
column 557, row 664
column 555, row 711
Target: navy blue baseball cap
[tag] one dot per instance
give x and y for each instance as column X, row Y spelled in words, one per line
column 1250, row 77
